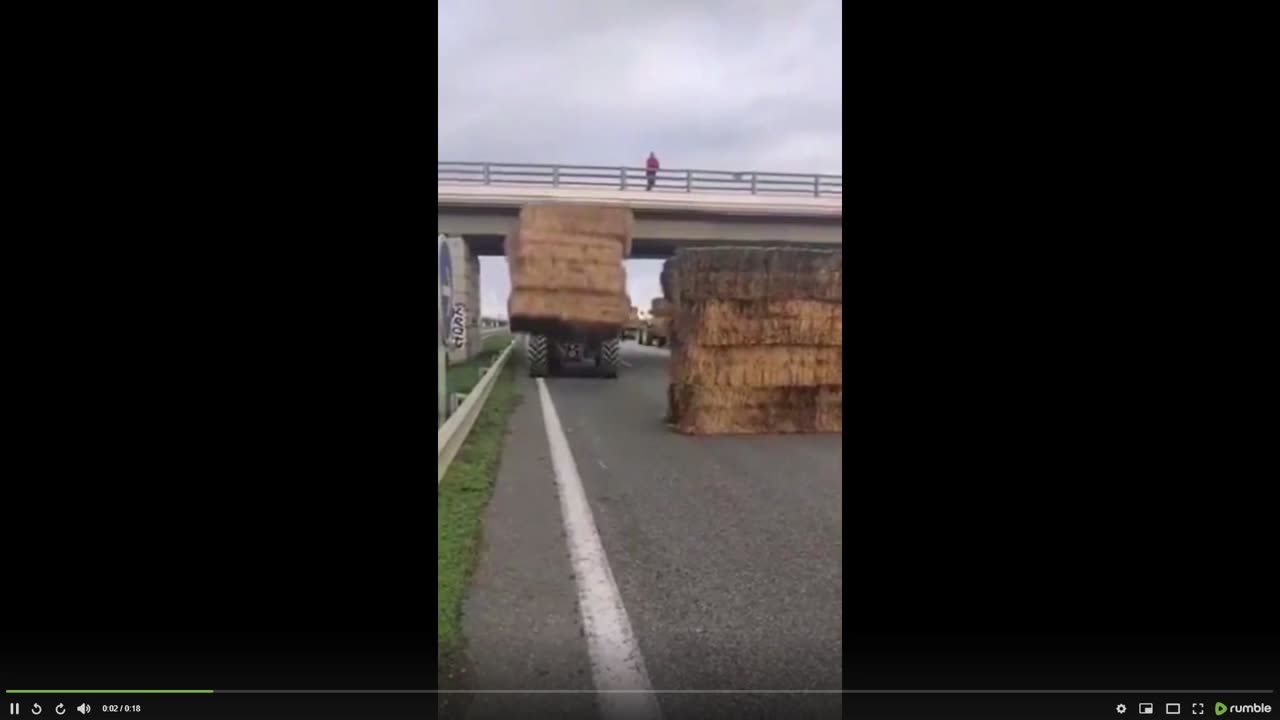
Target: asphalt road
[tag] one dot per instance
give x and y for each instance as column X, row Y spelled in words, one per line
column 726, row 553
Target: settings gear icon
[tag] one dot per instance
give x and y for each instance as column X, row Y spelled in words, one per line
column 1120, row 709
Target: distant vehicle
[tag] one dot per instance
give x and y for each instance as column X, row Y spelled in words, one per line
column 657, row 327
column 656, row 332
column 634, row 326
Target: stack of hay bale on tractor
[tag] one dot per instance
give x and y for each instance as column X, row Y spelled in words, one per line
column 631, row 331
column 758, row 340
column 568, row 284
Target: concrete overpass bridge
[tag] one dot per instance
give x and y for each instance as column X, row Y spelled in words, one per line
column 478, row 204
column 685, row 208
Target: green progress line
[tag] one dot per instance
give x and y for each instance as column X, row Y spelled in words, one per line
column 108, row 692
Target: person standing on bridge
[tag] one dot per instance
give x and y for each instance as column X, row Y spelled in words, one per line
column 651, row 169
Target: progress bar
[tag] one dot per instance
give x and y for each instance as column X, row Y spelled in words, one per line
column 106, row 692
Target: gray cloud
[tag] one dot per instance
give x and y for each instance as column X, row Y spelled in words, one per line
column 712, row 84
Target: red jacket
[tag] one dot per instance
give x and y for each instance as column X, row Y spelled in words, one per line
column 651, row 163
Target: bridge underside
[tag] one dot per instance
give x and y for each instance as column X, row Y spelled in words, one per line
column 658, row 235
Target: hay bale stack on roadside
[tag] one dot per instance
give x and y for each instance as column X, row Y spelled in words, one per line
column 566, row 269
column 757, row 367
column 755, row 274
column 728, row 323
column 661, row 327
column 712, row 410
column 761, row 340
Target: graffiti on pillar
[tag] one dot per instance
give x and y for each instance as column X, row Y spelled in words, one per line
column 446, row 288
column 458, row 326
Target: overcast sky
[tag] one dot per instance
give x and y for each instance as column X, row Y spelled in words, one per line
column 707, row 84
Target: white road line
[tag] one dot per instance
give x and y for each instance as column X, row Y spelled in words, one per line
column 616, row 663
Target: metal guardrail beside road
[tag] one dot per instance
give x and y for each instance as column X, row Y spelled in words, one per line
column 636, row 178
column 453, row 433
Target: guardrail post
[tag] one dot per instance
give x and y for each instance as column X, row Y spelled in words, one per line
column 688, row 181
column 455, row 401
column 485, row 170
column 753, row 182
column 623, row 173
column 817, row 192
column 555, row 176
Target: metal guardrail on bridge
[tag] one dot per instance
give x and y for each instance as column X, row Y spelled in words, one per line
column 636, row 178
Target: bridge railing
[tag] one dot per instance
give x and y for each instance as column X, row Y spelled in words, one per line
column 636, row 178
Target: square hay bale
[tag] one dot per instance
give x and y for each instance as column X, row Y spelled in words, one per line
column 756, row 367
column 575, row 218
column 761, row 322
column 607, row 222
column 702, row 410
column 550, row 312
column 830, row 416
column 754, row 274
column 660, row 307
column 550, row 273
column 583, row 248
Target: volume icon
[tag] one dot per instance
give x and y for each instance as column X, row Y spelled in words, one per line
column 84, row 708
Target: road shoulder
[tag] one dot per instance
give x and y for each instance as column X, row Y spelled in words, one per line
column 521, row 615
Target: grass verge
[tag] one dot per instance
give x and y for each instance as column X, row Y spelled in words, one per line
column 462, row 497
column 497, row 341
column 464, row 376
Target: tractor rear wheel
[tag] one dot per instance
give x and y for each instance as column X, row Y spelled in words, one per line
column 537, row 356
column 610, row 357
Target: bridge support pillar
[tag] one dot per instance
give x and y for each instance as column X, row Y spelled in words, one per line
column 475, row 342
column 465, row 292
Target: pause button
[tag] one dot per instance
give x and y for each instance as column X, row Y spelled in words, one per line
column 15, row 708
